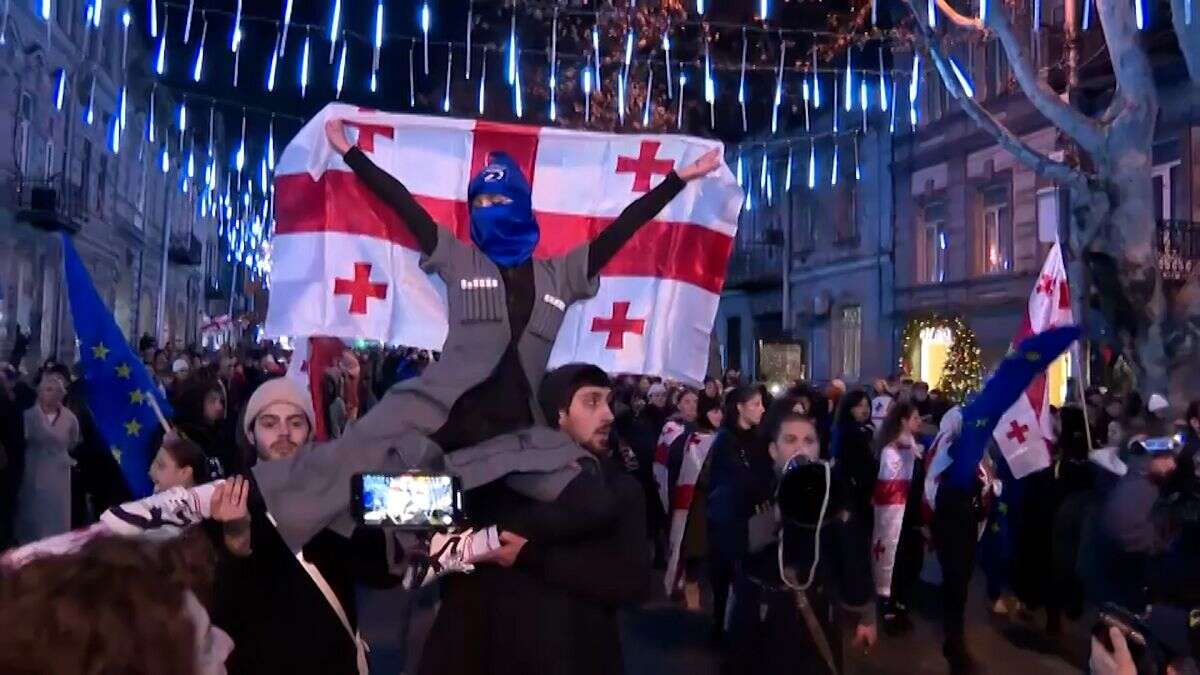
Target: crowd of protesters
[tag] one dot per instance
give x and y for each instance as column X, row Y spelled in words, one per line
column 701, row 474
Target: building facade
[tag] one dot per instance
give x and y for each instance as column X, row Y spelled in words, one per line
column 809, row 287
column 948, row 224
column 153, row 258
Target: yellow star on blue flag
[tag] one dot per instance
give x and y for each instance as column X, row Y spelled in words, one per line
column 118, row 388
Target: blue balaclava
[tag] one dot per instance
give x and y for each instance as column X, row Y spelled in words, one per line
column 506, row 233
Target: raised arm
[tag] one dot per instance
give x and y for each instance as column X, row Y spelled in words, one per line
column 644, row 209
column 385, row 186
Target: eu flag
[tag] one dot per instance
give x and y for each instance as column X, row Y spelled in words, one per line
column 118, row 386
column 1000, row 392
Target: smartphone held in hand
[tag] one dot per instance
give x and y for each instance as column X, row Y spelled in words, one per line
column 415, row 501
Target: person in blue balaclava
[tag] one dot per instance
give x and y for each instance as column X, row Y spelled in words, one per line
column 504, row 312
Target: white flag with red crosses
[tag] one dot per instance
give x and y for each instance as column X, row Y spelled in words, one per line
column 344, row 265
column 1026, row 430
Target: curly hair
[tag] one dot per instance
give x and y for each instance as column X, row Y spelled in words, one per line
column 116, row 606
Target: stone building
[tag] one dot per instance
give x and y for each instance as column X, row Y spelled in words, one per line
column 153, row 259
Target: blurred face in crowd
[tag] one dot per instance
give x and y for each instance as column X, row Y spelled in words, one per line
column 214, row 407
column 913, row 423
column 644, row 385
column 279, row 430
column 588, row 419
column 349, row 364
column 712, row 388
column 715, row 415
column 51, row 391
column 733, row 377
column 165, row 473
column 920, row 391
column 750, row 413
column 687, row 405
column 161, row 363
column 803, row 405
column 1114, row 407
column 658, row 399
column 862, row 411
column 795, row 438
column 225, row 370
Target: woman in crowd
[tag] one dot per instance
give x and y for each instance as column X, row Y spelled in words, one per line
column 851, row 448
column 179, row 462
column 51, row 434
column 898, row 542
column 737, row 454
column 200, row 411
column 695, row 452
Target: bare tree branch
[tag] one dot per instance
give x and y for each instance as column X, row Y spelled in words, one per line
column 1081, row 128
column 1039, row 162
column 1131, row 66
column 1189, row 37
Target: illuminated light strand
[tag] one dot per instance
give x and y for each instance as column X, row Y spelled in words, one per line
column 519, row 100
column 778, row 87
column 553, row 68
column 341, row 70
column 126, row 19
column 152, row 11
column 816, row 80
column 848, row 88
column 596, row 51
column 710, row 87
column 60, row 88
column 304, row 67
column 682, row 86
column 883, row 88
column 198, row 63
column 412, row 80
column 587, row 94
column 812, row 165
column 271, row 144
column 235, row 37
column 649, row 89
column 150, row 135
column 666, row 45
column 512, row 49
column 379, row 44
column 449, row 74
column 470, row 30
column 160, row 61
column 287, row 22
column 274, row 66
column 857, row 167
column 914, row 84
column 335, row 25
column 833, row 172
column 892, row 116
column 482, row 79
column 787, row 176
column 187, row 21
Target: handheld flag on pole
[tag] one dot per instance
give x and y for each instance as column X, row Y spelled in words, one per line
column 121, row 396
column 1032, row 356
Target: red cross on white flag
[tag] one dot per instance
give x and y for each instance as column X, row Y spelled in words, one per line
column 1025, row 431
column 657, row 298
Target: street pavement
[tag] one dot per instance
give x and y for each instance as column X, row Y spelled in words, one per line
column 661, row 639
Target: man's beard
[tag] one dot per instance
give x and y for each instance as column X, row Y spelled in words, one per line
column 282, row 449
column 599, row 440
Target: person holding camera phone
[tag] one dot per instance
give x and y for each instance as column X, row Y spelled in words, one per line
column 806, row 560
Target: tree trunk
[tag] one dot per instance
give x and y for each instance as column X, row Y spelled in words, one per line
column 1116, row 236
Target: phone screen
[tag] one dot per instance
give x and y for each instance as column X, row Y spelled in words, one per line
column 408, row 500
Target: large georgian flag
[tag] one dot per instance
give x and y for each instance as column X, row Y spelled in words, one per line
column 344, row 265
column 1026, row 430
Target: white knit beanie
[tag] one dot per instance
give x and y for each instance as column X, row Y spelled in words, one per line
column 278, row 390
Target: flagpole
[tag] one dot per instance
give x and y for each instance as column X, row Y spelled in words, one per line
column 158, row 412
column 1079, row 388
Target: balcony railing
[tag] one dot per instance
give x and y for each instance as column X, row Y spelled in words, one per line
column 47, row 204
column 1178, row 249
column 185, row 249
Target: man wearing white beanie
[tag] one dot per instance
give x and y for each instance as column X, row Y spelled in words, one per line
column 279, row 418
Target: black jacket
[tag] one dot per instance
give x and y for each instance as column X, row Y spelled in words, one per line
column 857, row 463
column 278, row 618
column 555, row 611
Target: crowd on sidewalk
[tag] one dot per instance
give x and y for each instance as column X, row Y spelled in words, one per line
column 756, row 505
